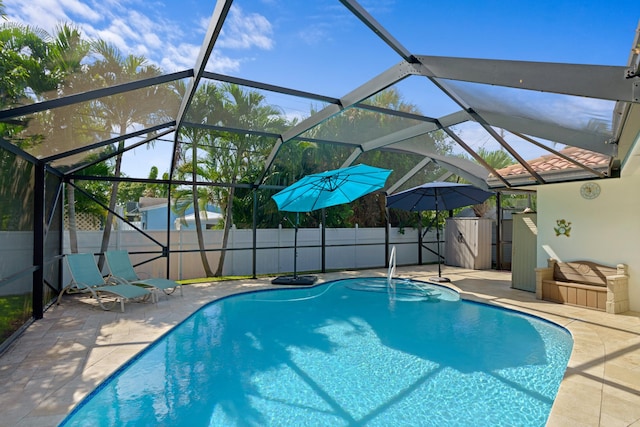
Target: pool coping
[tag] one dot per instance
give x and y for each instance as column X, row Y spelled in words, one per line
column 60, row 359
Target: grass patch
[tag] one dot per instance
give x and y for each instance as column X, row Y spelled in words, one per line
column 15, row 310
column 212, row 279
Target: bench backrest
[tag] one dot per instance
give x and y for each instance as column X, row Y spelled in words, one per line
column 586, row 272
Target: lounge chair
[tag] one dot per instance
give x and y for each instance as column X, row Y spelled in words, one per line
column 86, row 278
column 121, row 271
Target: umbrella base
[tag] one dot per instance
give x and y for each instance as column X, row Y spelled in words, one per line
column 439, row 279
column 305, row 280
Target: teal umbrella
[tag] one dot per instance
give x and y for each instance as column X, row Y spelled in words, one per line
column 334, row 187
column 321, row 190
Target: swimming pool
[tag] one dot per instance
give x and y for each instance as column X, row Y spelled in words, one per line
column 347, row 352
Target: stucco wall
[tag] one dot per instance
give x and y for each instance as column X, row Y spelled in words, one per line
column 605, row 229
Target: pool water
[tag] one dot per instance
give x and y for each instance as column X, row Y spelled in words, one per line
column 344, row 353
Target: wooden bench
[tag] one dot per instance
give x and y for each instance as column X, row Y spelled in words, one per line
column 584, row 284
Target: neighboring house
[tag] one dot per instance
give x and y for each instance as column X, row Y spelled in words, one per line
column 208, row 219
column 153, row 215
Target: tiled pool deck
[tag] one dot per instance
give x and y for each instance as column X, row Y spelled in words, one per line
column 61, row 358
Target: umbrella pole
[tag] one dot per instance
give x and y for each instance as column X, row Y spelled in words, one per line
column 295, row 247
column 439, row 278
column 295, row 279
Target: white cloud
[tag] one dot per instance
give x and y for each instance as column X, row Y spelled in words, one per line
column 80, row 9
column 315, row 34
column 137, row 27
column 246, row 31
column 223, row 64
column 45, row 14
column 179, row 57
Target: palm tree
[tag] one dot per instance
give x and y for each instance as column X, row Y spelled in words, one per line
column 227, row 156
column 120, row 112
column 238, row 153
column 67, row 51
column 206, row 108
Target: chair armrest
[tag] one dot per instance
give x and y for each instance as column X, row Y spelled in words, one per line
column 618, row 291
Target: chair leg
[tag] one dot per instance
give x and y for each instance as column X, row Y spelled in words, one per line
column 60, row 295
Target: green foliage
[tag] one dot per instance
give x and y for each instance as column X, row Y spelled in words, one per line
column 15, row 310
column 225, row 157
column 16, row 193
column 497, row 159
column 100, row 190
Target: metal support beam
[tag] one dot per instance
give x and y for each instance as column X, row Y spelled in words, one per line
column 417, row 168
column 475, row 155
column 401, row 135
column 592, row 81
column 323, row 238
column 271, row 88
column 213, row 31
column 39, row 220
column 215, row 26
column 507, row 147
column 499, row 231
column 110, row 141
column 590, row 140
column 255, row 234
column 562, row 156
column 352, row 157
column 91, row 95
column 373, row 86
column 380, row 31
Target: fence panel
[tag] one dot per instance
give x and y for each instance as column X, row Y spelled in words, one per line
column 347, row 248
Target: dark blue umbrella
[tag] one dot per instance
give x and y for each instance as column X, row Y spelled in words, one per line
column 438, row 196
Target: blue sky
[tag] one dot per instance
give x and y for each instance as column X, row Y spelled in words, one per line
column 294, row 42
column 318, row 46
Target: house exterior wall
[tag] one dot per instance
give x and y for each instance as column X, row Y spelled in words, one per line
column 155, row 217
column 604, row 230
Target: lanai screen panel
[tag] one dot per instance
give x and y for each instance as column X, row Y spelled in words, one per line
column 300, row 157
column 57, row 133
column 563, row 119
column 139, row 161
column 284, row 43
column 360, row 126
column 415, row 94
column 401, row 163
column 238, row 106
column 16, row 240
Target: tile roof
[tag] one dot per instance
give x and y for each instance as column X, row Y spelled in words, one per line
column 550, row 163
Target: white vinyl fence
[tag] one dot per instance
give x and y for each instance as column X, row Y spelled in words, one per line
column 345, row 249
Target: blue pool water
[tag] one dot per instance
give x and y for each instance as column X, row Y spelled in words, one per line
column 345, row 353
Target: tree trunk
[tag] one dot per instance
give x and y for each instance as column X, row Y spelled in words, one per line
column 228, row 220
column 106, row 234
column 196, row 215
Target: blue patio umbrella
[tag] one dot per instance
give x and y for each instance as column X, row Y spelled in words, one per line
column 322, row 190
column 334, row 187
column 438, row 196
